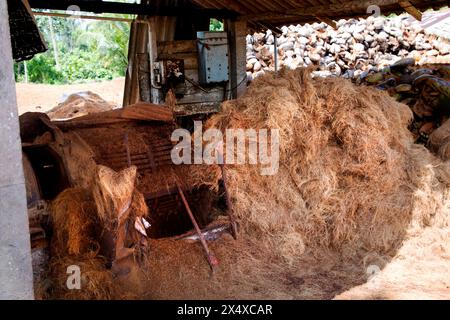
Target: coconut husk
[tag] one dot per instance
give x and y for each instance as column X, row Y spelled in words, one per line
column 120, row 209
column 78, row 157
column 439, row 140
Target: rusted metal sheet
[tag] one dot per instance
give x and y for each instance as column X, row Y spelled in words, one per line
column 192, row 98
column 31, row 183
column 196, row 108
column 177, row 47
column 127, row 148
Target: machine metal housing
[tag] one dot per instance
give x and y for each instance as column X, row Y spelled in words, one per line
column 212, row 57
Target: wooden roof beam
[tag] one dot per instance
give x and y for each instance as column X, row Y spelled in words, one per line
column 328, row 10
column 132, row 8
column 266, row 25
column 235, row 6
column 328, row 21
column 409, row 7
column 76, row 16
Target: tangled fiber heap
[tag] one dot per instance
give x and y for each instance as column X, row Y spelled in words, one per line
column 75, row 242
column 350, row 179
column 80, row 219
column 75, row 219
column 96, row 281
column 113, row 192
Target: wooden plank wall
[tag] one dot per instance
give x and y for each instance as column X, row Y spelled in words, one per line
column 187, row 50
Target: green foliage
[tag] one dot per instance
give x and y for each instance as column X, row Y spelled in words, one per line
column 81, row 65
column 215, row 25
column 86, row 50
column 41, row 69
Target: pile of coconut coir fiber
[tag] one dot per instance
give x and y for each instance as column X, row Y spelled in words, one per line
column 353, row 194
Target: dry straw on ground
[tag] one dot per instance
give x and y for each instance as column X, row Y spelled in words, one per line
column 96, row 281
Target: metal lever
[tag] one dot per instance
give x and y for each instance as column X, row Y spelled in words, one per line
column 212, row 260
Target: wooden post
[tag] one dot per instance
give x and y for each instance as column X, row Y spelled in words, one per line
column 136, row 77
column 16, row 275
column 156, row 94
column 237, row 31
column 131, row 60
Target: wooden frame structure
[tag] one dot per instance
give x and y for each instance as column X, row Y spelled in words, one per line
column 154, row 37
column 272, row 12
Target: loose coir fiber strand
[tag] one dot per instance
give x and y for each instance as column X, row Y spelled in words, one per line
column 78, row 226
column 75, row 223
column 75, row 242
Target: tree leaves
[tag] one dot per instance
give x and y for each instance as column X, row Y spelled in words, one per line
column 87, row 50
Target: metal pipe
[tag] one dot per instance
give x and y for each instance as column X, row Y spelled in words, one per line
column 275, row 49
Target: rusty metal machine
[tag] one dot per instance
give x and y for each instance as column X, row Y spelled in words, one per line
column 202, row 68
column 57, row 154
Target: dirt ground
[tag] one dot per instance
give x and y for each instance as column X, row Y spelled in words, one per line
column 31, row 97
column 418, row 271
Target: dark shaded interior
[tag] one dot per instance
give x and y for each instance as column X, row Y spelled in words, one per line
column 169, row 217
column 49, row 170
